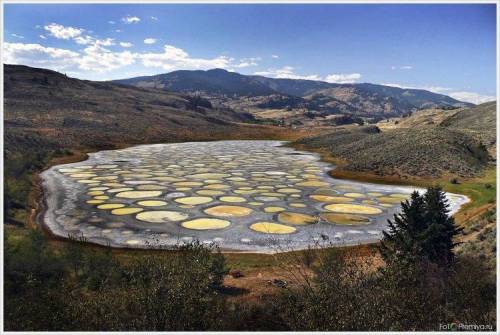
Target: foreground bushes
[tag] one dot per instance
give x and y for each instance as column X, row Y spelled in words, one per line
column 81, row 289
column 347, row 293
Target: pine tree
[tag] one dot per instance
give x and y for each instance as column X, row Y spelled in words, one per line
column 422, row 231
column 402, row 239
column 437, row 241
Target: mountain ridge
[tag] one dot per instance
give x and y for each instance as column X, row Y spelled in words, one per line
column 234, row 90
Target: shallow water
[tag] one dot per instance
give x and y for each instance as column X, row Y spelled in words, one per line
column 242, row 195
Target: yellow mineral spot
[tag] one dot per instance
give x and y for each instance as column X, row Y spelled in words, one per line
column 209, row 192
column 87, row 181
column 133, row 242
column 183, row 188
column 152, row 203
column 110, row 206
column 105, row 178
column 296, row 218
column 216, row 187
column 150, row 187
column 297, row 205
column 390, row 200
column 354, row 195
column 206, row 224
column 387, row 205
column 228, row 211
column 327, row 198
column 369, row 202
column 93, row 201
column 312, row 183
column 126, row 210
column 82, row 175
column 106, row 166
column 98, row 188
column 95, row 193
column 187, row 183
column 138, row 194
column 161, row 216
column 255, row 203
column 347, row 219
column 193, row 200
column 273, row 194
column 375, row 194
column 272, row 209
column 101, row 197
column 118, row 190
column 232, row 199
column 240, row 191
column 208, row 175
column 354, row 209
column 272, row 228
column 400, row 196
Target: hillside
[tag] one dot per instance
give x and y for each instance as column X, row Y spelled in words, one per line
column 478, row 122
column 74, row 112
column 254, row 94
column 421, row 151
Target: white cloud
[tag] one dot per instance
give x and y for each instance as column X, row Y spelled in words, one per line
column 473, row 97
column 289, row 73
column 246, row 62
column 17, row 36
column 118, row 31
column 99, row 59
column 154, row 18
column 150, row 40
column 286, row 72
column 111, row 22
column 275, row 56
column 39, row 56
column 403, row 67
column 61, row 32
column 173, row 58
column 105, row 42
column 84, row 40
column 130, row 19
column 94, row 58
column 340, row 78
column 42, row 37
column 126, row 44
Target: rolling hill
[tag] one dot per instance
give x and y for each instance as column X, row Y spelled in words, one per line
column 74, row 112
column 255, row 93
column 429, row 143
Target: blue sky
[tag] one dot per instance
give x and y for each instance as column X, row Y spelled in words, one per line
column 449, row 49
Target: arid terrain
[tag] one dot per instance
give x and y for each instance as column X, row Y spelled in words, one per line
column 371, row 132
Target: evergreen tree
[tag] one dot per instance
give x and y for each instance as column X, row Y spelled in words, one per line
column 422, row 231
column 437, row 241
column 402, row 238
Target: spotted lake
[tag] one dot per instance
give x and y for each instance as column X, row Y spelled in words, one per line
column 242, row 195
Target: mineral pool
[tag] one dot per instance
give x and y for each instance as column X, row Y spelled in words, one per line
column 255, row 196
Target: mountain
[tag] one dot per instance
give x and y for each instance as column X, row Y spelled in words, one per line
column 216, row 81
column 42, row 106
column 257, row 93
